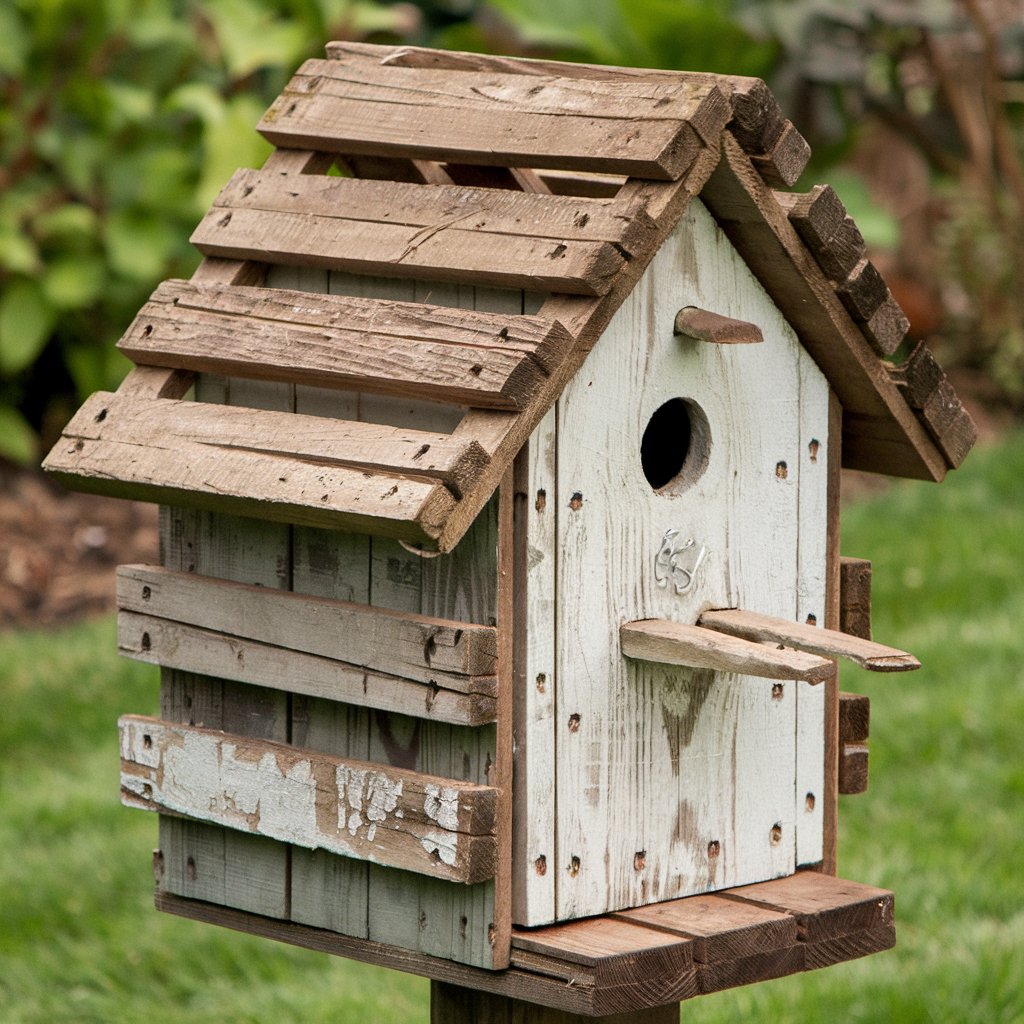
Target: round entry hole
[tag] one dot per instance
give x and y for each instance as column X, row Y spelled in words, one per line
column 675, row 446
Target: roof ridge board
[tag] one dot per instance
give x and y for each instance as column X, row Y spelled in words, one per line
column 522, row 333
column 755, row 112
column 442, row 206
column 669, row 99
column 319, row 121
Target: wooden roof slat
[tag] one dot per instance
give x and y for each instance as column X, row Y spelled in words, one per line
column 136, row 449
column 438, row 353
column 491, row 118
column 302, row 220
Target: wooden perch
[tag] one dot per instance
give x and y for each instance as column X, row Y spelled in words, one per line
column 673, row 643
column 702, row 325
column 826, row 642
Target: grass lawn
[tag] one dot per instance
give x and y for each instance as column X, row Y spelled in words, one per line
column 942, row 823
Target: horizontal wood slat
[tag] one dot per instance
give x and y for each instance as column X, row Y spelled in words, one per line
column 460, row 700
column 854, row 718
column 813, row 639
column 405, row 349
column 855, row 597
column 854, row 759
column 401, row 644
column 434, row 826
column 281, row 466
column 492, row 118
column 447, row 234
column 673, row 643
column 833, row 919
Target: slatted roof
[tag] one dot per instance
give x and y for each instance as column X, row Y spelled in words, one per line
column 486, row 171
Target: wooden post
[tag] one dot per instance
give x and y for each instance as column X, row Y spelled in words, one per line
column 453, row 1004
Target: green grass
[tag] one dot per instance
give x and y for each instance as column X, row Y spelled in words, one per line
column 942, row 823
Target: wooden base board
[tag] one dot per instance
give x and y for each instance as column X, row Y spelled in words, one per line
column 635, row 960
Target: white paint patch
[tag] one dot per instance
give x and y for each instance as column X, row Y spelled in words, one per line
column 441, row 804
column 444, row 845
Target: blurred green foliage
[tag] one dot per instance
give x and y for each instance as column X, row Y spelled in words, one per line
column 119, row 122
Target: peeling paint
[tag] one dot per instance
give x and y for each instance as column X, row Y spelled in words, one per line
column 441, row 804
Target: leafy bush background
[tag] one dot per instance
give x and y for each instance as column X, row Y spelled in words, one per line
column 120, row 120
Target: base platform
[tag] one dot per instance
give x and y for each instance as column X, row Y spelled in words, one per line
column 636, row 959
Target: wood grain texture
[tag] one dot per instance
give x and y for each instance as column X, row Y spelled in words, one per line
column 853, row 769
column 672, row 643
column 368, row 345
column 534, row 842
column 785, row 161
column 703, row 325
column 926, row 387
column 408, row 644
column 196, row 457
column 176, row 645
column 855, row 597
column 435, row 826
column 639, row 128
column 587, row 969
column 854, row 717
column 197, row 427
column 755, row 223
column 813, row 472
column 828, row 642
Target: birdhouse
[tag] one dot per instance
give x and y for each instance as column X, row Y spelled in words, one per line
column 497, row 440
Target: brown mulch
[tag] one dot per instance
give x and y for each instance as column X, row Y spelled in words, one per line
column 58, row 550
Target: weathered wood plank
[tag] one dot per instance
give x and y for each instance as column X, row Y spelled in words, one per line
column 785, row 161
column 824, row 907
column 813, row 473
column 673, row 643
column 703, row 325
column 497, row 213
column 388, row 320
column 163, row 466
column 557, row 982
column 815, row 640
column 285, row 436
column 720, row 929
column 405, row 644
column 853, row 768
column 854, row 718
column 490, row 118
column 226, row 656
column 435, row 826
column 484, row 376
column 929, row 391
column 576, row 268
column 533, row 834
column 855, row 597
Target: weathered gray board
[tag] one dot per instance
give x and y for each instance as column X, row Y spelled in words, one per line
column 314, row 887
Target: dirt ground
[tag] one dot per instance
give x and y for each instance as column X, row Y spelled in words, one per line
column 58, row 550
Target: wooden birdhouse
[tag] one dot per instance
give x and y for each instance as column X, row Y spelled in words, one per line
column 497, row 440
